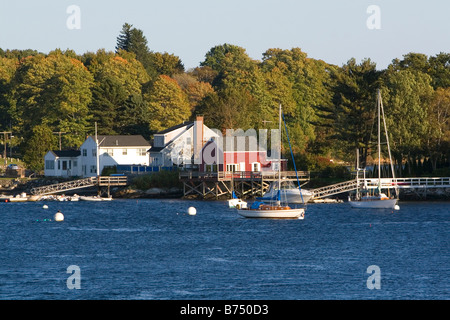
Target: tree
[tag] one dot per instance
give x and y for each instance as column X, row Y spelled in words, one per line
column 195, row 90
column 167, row 103
column 168, row 64
column 40, row 142
column 56, row 90
column 307, row 80
column 7, row 104
column 355, row 100
column 108, row 95
column 438, row 136
column 124, row 38
column 406, row 96
column 230, row 108
column 134, row 117
column 133, row 40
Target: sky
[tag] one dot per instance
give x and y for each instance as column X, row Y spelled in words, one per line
column 332, row 30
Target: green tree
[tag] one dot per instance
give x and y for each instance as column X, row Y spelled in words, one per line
column 355, row 101
column 40, row 142
column 134, row 117
column 305, row 81
column 230, row 108
column 407, row 95
column 7, row 104
column 438, row 137
column 133, row 40
column 108, row 95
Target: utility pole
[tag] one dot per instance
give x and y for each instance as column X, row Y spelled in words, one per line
column 5, row 133
column 59, row 133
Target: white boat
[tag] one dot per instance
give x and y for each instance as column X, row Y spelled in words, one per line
column 94, row 198
column 237, row 203
column 289, row 191
column 269, row 211
column 274, row 210
column 378, row 200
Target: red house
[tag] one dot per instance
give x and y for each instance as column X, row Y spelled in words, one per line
column 237, row 153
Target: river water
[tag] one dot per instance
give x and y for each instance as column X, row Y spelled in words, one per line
column 152, row 249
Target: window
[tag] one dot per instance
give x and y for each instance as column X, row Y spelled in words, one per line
column 109, row 152
column 142, row 152
column 232, row 167
column 256, row 167
column 59, row 165
column 84, row 152
column 94, row 152
column 75, row 163
column 93, row 169
column 188, row 140
column 49, row 164
column 124, row 152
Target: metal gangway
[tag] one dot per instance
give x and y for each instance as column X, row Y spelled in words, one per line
column 106, row 181
column 385, row 183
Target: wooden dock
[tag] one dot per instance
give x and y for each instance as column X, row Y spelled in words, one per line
column 244, row 183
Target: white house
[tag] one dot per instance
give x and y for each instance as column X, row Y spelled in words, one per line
column 62, row 163
column 112, row 150
column 178, row 145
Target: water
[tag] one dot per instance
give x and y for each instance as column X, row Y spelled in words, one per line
column 151, row 249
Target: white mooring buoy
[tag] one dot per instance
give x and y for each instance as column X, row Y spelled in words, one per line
column 58, row 216
column 396, row 207
column 45, row 206
column 192, row 211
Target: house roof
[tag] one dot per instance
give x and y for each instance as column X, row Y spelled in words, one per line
column 187, row 124
column 66, row 153
column 122, row 141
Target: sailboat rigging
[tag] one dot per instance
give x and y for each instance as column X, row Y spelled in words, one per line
column 379, row 200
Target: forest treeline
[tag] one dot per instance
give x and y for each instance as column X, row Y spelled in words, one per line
column 330, row 110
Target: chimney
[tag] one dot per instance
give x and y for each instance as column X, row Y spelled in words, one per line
column 198, row 139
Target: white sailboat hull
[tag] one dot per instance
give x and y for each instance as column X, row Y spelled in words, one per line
column 273, row 214
column 374, row 204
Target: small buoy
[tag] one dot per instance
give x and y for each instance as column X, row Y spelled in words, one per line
column 58, row 216
column 192, row 211
column 396, row 207
column 45, row 206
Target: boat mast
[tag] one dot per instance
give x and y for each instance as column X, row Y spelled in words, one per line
column 388, row 146
column 96, row 146
column 279, row 160
column 379, row 140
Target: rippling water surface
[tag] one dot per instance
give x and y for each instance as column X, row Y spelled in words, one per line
column 151, row 249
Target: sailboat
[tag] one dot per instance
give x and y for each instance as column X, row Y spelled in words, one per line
column 275, row 210
column 378, row 200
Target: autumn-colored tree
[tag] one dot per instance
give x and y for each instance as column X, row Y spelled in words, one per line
column 56, row 90
column 167, row 104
